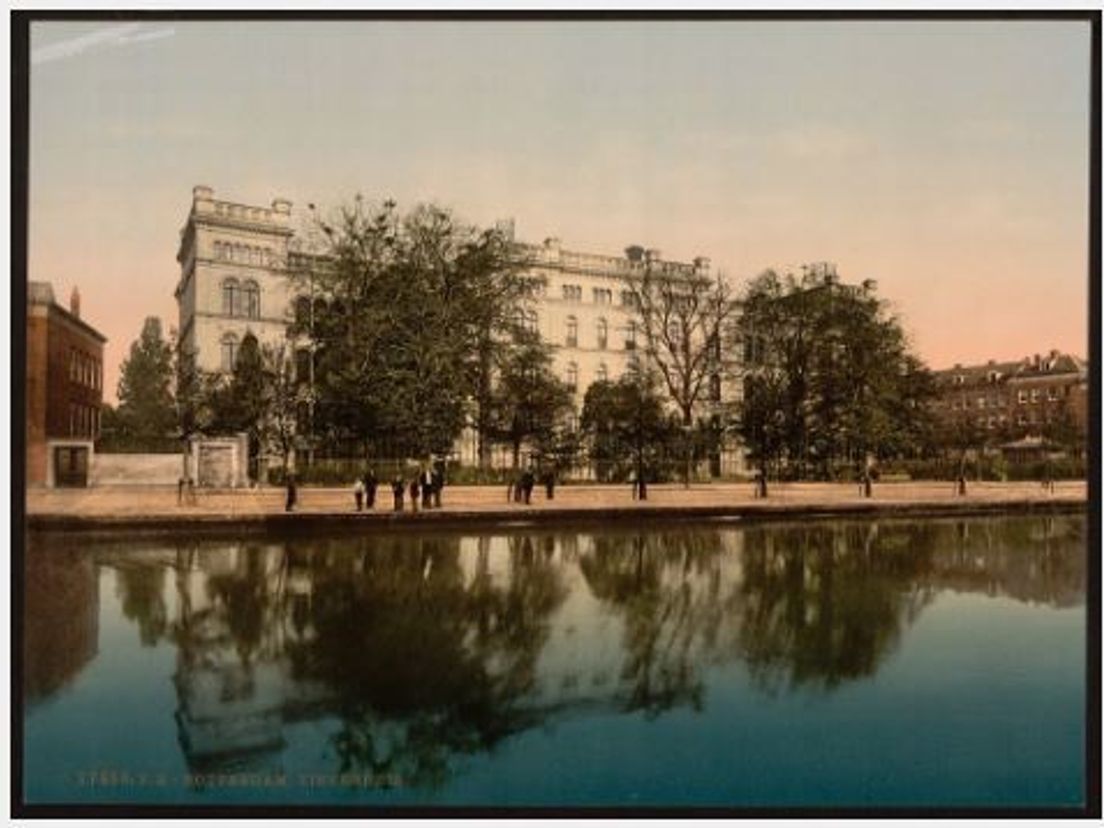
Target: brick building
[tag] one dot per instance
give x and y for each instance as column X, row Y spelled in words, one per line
column 64, row 389
column 1008, row 401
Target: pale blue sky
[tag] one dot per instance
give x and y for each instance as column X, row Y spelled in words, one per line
column 947, row 160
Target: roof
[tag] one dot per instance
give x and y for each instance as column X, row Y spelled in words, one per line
column 1052, row 364
column 42, row 293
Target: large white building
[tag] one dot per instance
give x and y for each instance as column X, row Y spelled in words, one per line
column 237, row 261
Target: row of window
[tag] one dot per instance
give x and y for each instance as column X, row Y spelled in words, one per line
column 241, row 298
column 244, row 253
column 1022, row 419
column 529, row 321
column 1022, row 398
column 84, row 420
column 600, row 296
column 85, row 370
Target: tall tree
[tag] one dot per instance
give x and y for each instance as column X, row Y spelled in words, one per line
column 415, row 310
column 146, row 417
column 529, row 401
column 684, row 316
column 828, row 377
column 627, row 428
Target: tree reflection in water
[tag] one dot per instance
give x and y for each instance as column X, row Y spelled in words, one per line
column 427, row 648
column 667, row 587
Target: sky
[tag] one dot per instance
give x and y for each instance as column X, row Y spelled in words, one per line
column 948, row 161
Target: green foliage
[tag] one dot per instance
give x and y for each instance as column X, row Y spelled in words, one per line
column 411, row 322
column 829, row 379
column 627, row 428
column 529, row 403
column 145, row 419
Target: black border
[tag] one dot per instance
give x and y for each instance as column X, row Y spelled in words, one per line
column 20, row 22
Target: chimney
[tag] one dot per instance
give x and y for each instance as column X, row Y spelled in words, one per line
column 281, row 205
column 651, row 255
column 634, row 253
column 74, row 303
column 1036, row 361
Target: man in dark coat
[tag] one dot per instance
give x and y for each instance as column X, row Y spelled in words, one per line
column 292, row 493
column 527, row 483
column 438, row 479
column 370, row 484
column 550, row 484
column 414, row 489
column 397, row 489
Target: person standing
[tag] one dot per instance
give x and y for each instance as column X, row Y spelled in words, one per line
column 550, row 484
column 414, row 493
column 358, row 494
column 427, row 489
column 527, row 483
column 370, row 485
column 292, row 494
column 642, row 486
column 397, row 489
column 438, row 478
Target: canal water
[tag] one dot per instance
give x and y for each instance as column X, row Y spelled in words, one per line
column 886, row 663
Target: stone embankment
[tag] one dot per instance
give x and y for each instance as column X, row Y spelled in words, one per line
column 122, row 508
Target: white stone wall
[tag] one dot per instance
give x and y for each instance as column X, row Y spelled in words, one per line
column 137, row 469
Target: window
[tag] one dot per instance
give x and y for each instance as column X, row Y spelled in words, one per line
column 603, row 334
column 219, row 252
column 603, row 372
column 603, row 296
column 1052, row 394
column 628, row 299
column 1034, row 395
column 1021, row 397
column 251, row 295
column 715, row 388
column 573, row 293
column 532, row 323
column 981, row 402
column 573, row 376
column 630, row 336
column 231, row 297
column 572, row 338
column 229, row 351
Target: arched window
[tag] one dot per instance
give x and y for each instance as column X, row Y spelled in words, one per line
column 572, row 339
column 231, row 297
column 603, row 372
column 229, row 351
column 630, row 336
column 573, row 376
column 603, row 334
column 219, row 252
column 251, row 295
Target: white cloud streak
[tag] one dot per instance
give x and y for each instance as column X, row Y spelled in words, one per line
column 110, row 36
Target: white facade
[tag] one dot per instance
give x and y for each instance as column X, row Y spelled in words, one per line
column 583, row 308
column 233, row 277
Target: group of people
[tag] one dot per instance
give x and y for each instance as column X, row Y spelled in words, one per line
column 425, row 487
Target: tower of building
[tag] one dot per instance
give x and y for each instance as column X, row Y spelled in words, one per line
column 234, row 278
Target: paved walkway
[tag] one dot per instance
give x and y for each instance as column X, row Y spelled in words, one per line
column 142, row 504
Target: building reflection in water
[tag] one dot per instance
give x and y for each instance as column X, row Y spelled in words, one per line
column 423, row 649
column 61, row 617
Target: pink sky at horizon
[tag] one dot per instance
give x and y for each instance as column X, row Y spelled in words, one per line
column 958, row 182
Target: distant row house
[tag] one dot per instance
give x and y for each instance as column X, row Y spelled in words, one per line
column 1006, row 402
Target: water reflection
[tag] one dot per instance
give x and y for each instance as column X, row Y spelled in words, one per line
column 425, row 649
